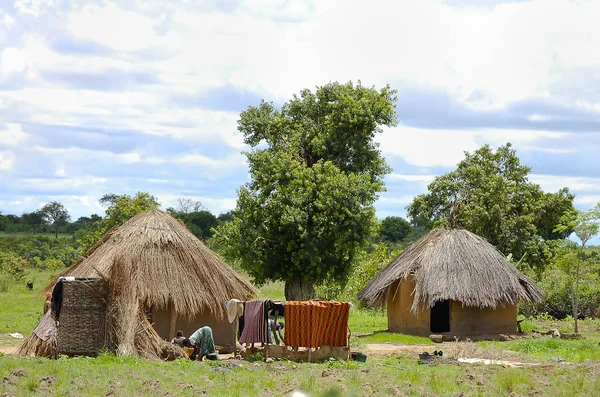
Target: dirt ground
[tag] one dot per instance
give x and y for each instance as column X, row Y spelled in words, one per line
column 9, row 349
column 374, row 349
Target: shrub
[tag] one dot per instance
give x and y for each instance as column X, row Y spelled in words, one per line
column 13, row 265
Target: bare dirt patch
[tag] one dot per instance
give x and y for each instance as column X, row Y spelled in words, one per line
column 11, row 349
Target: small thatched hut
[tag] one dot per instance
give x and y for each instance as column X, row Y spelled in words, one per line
column 450, row 282
column 178, row 282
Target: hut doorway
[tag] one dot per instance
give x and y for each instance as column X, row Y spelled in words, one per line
column 440, row 317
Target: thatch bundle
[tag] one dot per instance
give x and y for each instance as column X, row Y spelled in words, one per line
column 34, row 345
column 172, row 267
column 453, row 264
column 128, row 331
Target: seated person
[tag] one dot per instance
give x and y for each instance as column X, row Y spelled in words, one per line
column 178, row 339
column 275, row 331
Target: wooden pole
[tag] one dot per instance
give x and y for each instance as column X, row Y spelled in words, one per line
column 234, row 335
column 173, row 323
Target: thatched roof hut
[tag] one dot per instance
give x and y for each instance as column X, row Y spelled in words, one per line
column 157, row 272
column 173, row 268
column 448, row 266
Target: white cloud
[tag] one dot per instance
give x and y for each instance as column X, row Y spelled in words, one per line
column 445, row 148
column 114, row 27
column 12, row 135
column 214, row 205
column 412, row 178
column 553, row 183
column 7, row 160
column 587, row 200
column 7, row 20
column 33, row 7
column 12, row 61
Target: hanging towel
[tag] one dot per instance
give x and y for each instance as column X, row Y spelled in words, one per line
column 297, row 323
column 316, row 323
column 330, row 323
column 255, row 327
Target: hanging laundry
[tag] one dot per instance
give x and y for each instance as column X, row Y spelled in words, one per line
column 235, row 309
column 255, row 322
column 316, row 323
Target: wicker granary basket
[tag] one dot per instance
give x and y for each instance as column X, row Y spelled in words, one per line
column 81, row 326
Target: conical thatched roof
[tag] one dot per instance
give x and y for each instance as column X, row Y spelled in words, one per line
column 453, row 264
column 172, row 267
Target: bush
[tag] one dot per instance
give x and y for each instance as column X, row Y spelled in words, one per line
column 558, row 297
column 13, row 265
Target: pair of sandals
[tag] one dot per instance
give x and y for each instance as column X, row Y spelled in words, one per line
column 436, row 353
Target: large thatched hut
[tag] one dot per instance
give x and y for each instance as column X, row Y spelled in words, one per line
column 450, row 282
column 178, row 282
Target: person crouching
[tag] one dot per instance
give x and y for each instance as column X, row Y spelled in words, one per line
column 201, row 341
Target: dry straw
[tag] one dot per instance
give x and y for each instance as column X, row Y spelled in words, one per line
column 453, row 264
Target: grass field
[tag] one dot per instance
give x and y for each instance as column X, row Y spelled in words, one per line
column 397, row 374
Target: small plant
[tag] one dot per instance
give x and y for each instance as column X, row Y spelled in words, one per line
column 258, row 356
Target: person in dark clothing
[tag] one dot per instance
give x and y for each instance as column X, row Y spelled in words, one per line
column 178, row 339
column 275, row 332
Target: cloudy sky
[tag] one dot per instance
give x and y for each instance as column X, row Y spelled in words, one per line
column 144, row 95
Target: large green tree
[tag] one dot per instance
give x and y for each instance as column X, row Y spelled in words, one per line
column 55, row 214
column 316, row 172
column 490, row 194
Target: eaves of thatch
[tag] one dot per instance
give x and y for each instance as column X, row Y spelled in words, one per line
column 453, row 264
column 170, row 267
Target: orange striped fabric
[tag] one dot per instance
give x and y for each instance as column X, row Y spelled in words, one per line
column 316, row 323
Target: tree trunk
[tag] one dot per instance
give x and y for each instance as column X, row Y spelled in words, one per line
column 297, row 290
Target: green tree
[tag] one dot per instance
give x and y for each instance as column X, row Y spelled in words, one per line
column 200, row 223
column 3, row 222
column 490, row 194
column 585, row 226
column 394, row 229
column 35, row 220
column 316, row 172
column 55, row 214
column 226, row 216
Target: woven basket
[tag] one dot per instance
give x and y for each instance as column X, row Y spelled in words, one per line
column 81, row 327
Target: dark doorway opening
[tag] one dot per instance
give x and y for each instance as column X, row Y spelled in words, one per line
column 440, row 317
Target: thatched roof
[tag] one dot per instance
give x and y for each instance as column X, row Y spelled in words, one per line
column 172, row 267
column 453, row 264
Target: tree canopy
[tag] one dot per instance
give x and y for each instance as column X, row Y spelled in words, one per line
column 394, row 229
column 490, row 194
column 316, row 171
column 55, row 214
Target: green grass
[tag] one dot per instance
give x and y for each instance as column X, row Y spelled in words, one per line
column 545, row 348
column 379, row 376
column 384, row 337
column 272, row 290
column 20, row 309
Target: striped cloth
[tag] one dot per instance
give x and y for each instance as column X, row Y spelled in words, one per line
column 315, row 323
column 255, row 327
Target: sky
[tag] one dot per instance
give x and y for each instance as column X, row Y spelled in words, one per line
column 144, row 95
